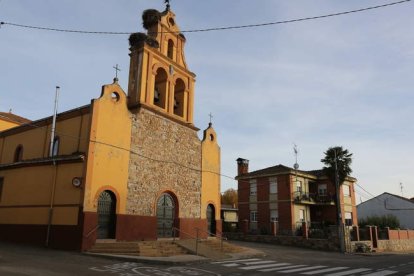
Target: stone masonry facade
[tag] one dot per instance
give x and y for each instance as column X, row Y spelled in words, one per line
column 158, row 145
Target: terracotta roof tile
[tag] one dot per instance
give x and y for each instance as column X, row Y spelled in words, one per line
column 13, row 118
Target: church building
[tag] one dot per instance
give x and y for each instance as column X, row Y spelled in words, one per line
column 128, row 166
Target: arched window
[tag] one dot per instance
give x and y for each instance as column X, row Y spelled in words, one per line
column 170, row 50
column 55, row 149
column 18, row 154
column 160, row 88
column 179, row 89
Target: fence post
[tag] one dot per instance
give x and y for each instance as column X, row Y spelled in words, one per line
column 305, row 233
column 274, row 228
column 375, row 237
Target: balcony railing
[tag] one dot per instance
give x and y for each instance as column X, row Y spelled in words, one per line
column 311, row 198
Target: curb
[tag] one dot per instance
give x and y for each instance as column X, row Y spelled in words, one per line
column 174, row 260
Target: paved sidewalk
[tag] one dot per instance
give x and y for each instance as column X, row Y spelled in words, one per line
column 181, row 259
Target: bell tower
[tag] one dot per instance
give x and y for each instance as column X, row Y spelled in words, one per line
column 158, row 76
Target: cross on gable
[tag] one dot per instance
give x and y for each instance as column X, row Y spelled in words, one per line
column 116, row 71
column 168, row 4
column 211, row 117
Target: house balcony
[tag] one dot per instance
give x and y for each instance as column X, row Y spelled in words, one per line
column 313, row 199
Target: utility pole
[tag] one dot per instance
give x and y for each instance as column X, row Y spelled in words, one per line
column 341, row 236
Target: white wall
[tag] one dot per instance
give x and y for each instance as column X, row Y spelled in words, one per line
column 388, row 204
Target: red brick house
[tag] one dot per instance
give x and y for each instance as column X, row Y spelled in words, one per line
column 290, row 197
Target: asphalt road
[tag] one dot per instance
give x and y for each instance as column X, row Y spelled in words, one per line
column 26, row 260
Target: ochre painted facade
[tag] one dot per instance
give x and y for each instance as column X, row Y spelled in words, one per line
column 125, row 167
column 10, row 120
column 211, row 172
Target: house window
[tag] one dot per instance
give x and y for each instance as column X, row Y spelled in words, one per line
column 274, row 215
column 253, row 216
column 346, row 189
column 18, row 154
column 301, row 215
column 322, row 189
column 273, row 186
column 253, row 188
column 348, row 218
column 298, row 186
column 1, row 186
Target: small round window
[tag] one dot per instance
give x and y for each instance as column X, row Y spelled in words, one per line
column 115, row 96
column 171, row 21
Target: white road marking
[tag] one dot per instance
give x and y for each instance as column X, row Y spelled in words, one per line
column 263, row 266
column 381, row 273
column 302, row 269
column 325, row 270
column 258, row 262
column 236, row 261
column 281, row 268
column 349, row 272
column 231, row 265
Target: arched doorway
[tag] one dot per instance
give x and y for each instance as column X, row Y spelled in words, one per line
column 165, row 216
column 211, row 219
column 106, row 215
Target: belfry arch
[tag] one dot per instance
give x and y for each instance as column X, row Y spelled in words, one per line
column 160, row 88
column 179, row 98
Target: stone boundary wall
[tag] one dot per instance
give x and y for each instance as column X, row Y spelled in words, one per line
column 319, row 244
column 396, row 245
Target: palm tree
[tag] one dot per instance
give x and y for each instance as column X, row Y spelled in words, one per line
column 337, row 160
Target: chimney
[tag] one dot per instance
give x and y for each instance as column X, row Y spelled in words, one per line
column 242, row 166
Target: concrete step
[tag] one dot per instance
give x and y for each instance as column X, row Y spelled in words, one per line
column 160, row 249
column 224, row 246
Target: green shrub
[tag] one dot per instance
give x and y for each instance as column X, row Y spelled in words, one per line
column 380, row 221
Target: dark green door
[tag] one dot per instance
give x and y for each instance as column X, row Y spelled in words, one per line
column 106, row 215
column 211, row 219
column 165, row 216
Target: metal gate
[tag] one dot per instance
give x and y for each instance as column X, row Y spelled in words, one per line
column 211, row 219
column 106, row 215
column 165, row 216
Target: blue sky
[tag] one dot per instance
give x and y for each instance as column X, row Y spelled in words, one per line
column 345, row 80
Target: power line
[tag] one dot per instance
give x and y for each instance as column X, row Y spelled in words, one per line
column 214, row 28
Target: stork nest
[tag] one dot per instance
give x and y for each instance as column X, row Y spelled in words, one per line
column 150, row 18
column 138, row 40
